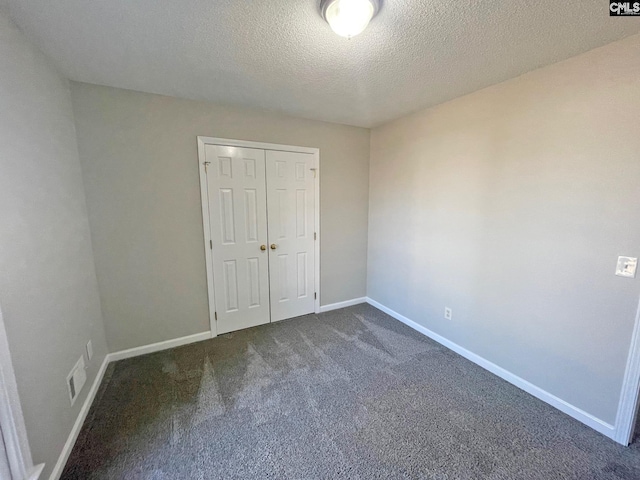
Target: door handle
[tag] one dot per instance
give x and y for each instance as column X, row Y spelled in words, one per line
column 263, row 247
column 273, row 246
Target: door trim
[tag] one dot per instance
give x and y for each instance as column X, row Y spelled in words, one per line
column 204, row 199
column 630, row 392
column 13, row 429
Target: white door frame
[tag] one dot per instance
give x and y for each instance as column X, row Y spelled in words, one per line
column 630, row 393
column 13, row 429
column 204, row 198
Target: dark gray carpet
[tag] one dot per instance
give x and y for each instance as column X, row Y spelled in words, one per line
column 351, row 393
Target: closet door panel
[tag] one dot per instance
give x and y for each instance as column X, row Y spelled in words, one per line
column 238, row 220
column 291, row 211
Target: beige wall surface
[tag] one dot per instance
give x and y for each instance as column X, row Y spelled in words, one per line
column 511, row 205
column 48, row 288
column 140, row 166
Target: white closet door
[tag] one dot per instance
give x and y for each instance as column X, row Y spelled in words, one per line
column 290, row 203
column 238, row 219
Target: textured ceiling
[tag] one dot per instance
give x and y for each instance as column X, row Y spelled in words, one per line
column 280, row 55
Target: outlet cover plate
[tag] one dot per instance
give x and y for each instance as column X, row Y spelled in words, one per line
column 627, row 267
column 89, row 350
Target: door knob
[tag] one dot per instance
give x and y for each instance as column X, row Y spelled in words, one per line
column 263, row 247
column 273, row 246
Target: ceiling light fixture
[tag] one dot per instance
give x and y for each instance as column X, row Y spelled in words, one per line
column 348, row 18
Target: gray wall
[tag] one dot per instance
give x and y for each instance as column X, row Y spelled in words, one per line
column 510, row 206
column 48, row 288
column 140, row 166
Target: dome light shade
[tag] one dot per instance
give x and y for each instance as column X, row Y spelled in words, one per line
column 348, row 18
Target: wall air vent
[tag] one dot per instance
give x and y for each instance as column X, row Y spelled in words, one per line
column 76, row 379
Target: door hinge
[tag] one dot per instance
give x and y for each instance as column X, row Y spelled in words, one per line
column 315, row 295
column 314, row 172
column 211, row 244
column 215, row 314
column 206, row 164
column 315, row 236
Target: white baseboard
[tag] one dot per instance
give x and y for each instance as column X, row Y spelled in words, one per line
column 580, row 415
column 157, row 347
column 346, row 303
column 77, row 426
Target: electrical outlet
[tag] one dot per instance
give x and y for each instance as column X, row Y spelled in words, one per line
column 447, row 313
column 89, row 350
column 626, row 267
